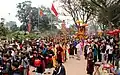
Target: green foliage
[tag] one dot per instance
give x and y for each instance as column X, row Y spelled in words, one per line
column 23, row 28
column 23, row 12
column 14, row 28
column 3, row 31
column 22, row 35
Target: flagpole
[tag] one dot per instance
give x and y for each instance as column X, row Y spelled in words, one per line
column 38, row 19
column 51, row 23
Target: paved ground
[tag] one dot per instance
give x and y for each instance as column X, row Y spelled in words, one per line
column 73, row 67
column 76, row 67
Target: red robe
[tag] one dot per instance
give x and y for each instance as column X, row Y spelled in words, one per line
column 59, row 54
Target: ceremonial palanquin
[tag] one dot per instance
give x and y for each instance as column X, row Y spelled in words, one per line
column 81, row 34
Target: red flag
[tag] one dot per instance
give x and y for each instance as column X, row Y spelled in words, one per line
column 29, row 27
column 54, row 10
column 41, row 13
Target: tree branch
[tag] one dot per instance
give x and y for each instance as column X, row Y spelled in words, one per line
column 98, row 5
column 116, row 17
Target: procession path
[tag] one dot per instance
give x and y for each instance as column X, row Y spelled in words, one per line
column 76, row 67
column 73, row 67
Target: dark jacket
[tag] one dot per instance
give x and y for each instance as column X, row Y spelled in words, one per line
column 61, row 70
column 16, row 72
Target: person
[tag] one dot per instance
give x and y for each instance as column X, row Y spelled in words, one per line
column 25, row 64
column 59, row 53
column 74, row 46
column 71, row 50
column 59, row 70
column 40, row 69
column 95, row 52
column 15, row 70
column 5, row 65
column 49, row 55
column 99, row 51
column 54, row 57
column 110, row 53
column 115, row 53
column 79, row 50
column 63, row 52
column 90, row 63
column 103, row 51
column 85, row 51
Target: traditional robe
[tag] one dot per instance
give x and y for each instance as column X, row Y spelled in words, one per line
column 63, row 53
column 79, row 49
column 59, row 54
column 54, row 57
column 71, row 49
column 90, row 63
column 67, row 52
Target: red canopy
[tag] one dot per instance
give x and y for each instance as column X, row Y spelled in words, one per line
column 116, row 30
column 110, row 32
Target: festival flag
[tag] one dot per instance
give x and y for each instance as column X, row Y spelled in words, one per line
column 41, row 13
column 29, row 27
column 54, row 10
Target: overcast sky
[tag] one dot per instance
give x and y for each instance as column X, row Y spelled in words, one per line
column 9, row 6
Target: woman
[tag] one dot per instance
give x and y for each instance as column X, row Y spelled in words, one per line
column 55, row 56
column 79, row 50
column 41, row 68
column 85, row 51
column 90, row 63
column 71, row 50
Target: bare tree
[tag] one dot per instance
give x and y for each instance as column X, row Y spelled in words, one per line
column 78, row 9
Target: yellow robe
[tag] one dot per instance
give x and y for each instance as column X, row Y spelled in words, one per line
column 54, row 57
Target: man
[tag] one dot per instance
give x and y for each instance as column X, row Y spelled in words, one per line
column 59, row 70
column 15, row 70
column 59, row 53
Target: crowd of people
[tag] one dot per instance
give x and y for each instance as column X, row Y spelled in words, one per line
column 16, row 57
column 104, row 50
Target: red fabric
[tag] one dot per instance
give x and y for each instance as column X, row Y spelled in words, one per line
column 29, row 27
column 5, row 74
column 21, row 68
column 21, row 46
column 28, row 72
column 37, row 63
column 50, row 59
column 69, row 51
column 54, row 10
